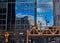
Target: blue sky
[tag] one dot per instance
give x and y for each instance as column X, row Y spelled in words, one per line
column 44, row 7
column 24, row 0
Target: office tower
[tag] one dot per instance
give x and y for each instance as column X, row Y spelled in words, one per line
column 56, row 9
column 11, row 15
column 3, row 15
column 7, row 14
column 24, row 23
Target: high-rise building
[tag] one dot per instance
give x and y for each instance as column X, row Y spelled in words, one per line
column 3, row 15
column 56, row 7
column 8, row 17
column 7, row 14
column 11, row 15
column 24, row 23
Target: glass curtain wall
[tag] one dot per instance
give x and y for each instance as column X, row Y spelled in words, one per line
column 22, row 13
column 45, row 12
column 24, row 10
column 3, row 14
column 11, row 15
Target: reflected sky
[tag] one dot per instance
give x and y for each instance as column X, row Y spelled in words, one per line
column 44, row 7
column 24, row 0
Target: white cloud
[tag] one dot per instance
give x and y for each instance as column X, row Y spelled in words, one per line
column 44, row 0
column 50, row 3
column 41, row 19
column 44, row 6
column 22, row 15
column 49, row 6
column 18, row 15
column 40, row 10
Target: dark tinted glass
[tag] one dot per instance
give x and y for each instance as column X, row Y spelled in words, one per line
column 24, row 0
column 3, row 16
column 0, row 10
column 4, row 10
column 3, row 21
column 3, row 0
column 11, row 0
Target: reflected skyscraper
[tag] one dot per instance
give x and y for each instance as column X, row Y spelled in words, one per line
column 24, row 23
column 56, row 6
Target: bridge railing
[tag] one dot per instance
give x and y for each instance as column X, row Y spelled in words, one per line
column 44, row 30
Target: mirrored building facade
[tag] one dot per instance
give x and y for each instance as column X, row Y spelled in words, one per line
column 24, row 10
column 31, row 10
column 22, row 14
column 56, row 12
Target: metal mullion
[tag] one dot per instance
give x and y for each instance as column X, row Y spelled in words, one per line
column 21, row 2
column 35, row 13
column 11, row 18
column 54, row 14
column 6, row 15
column 15, row 19
column 1, row 20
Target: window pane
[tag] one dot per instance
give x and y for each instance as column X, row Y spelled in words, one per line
column 2, row 27
column 11, row 0
column 24, row 15
column 3, row 0
column 3, row 5
column 45, row 12
column 24, row 0
column 3, row 21
column 0, row 10
column 24, row 8
column 3, row 17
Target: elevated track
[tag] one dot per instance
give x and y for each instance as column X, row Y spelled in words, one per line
column 47, row 31
column 36, row 31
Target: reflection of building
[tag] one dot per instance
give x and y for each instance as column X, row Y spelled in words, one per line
column 24, row 22
column 42, row 20
column 56, row 12
column 7, row 14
